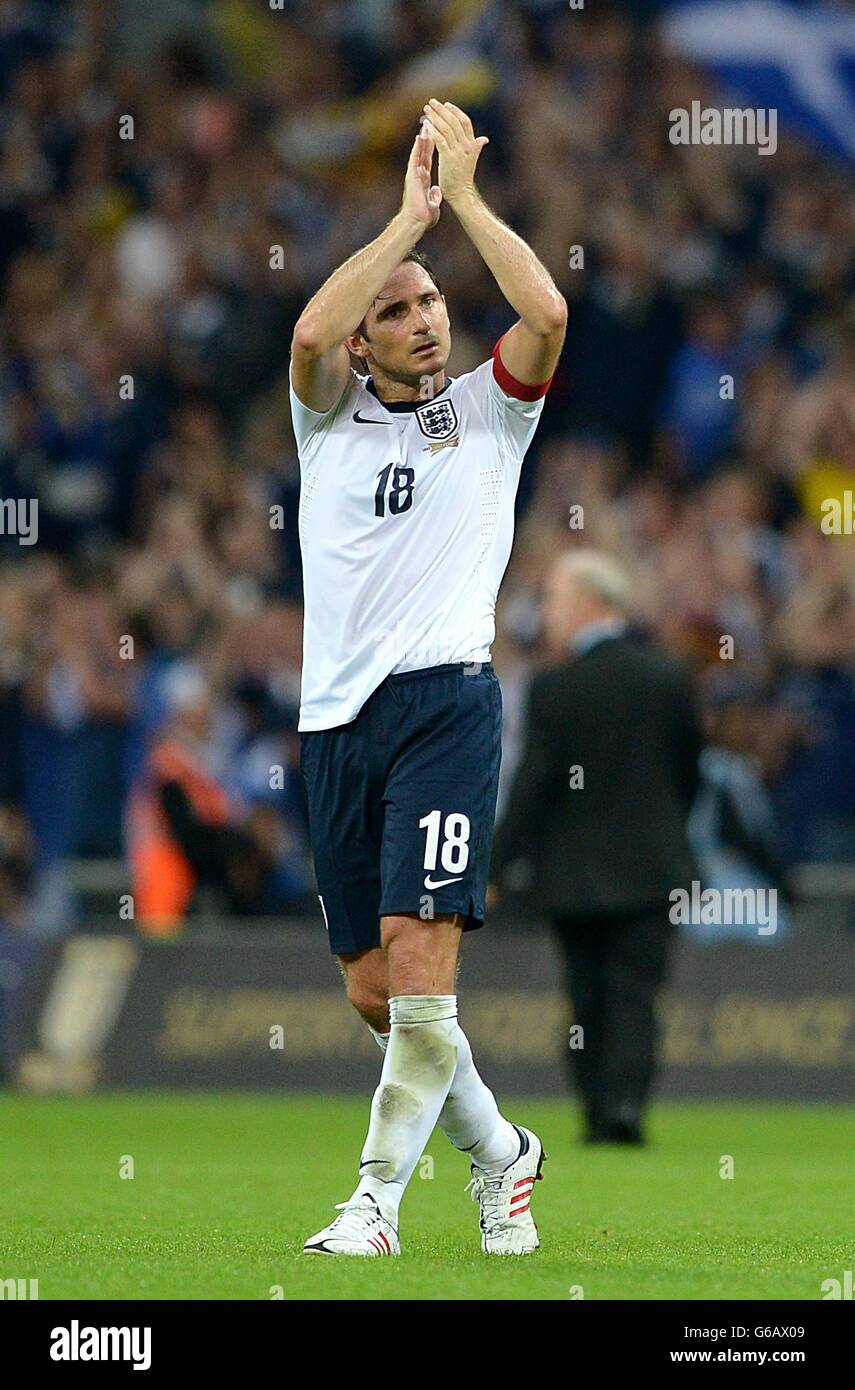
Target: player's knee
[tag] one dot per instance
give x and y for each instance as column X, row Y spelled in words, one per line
column 370, row 1002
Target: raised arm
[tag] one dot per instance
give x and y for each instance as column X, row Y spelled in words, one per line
column 319, row 358
column 530, row 349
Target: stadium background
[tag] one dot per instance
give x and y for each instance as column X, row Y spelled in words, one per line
column 266, row 144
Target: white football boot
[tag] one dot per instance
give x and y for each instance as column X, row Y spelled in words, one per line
column 507, row 1227
column 360, row 1230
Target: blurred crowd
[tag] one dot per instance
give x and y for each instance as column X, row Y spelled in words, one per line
column 175, row 181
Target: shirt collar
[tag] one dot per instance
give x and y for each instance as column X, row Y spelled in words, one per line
column 405, row 407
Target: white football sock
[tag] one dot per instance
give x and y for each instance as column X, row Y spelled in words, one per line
column 470, row 1117
column 418, row 1066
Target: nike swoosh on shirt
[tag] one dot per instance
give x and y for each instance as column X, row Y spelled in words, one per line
column 363, row 420
column 441, row 882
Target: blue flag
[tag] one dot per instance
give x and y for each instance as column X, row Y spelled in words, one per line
column 796, row 58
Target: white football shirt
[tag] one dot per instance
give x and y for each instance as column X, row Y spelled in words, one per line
column 406, row 526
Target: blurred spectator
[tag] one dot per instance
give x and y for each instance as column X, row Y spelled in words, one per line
column 733, row 829
column 184, row 831
column 18, row 948
column 697, row 412
column 149, row 281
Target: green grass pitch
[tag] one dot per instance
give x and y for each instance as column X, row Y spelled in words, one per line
column 226, row 1188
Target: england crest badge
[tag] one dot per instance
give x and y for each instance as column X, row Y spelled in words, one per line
column 437, row 419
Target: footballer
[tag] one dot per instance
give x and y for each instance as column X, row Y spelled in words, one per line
column 408, row 481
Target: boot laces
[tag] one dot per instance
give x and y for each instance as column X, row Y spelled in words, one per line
column 352, row 1208
column 488, row 1191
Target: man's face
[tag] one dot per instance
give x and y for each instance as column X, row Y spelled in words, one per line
column 406, row 335
column 566, row 609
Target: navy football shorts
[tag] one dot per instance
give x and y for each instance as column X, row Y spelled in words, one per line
column 402, row 802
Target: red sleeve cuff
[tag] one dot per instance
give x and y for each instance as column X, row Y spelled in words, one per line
column 519, row 389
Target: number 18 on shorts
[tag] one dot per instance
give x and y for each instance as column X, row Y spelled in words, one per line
column 402, row 802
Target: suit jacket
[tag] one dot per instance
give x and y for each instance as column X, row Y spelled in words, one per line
column 623, row 713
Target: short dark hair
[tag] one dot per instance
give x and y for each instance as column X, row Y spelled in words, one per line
column 416, row 258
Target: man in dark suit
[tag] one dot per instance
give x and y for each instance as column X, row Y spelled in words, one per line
column 598, row 806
